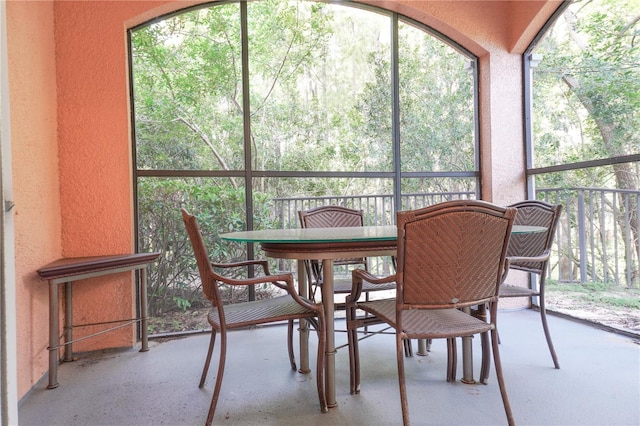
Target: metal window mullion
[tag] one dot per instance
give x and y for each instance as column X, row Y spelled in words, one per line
column 528, row 96
column 246, row 120
column 246, row 114
column 610, row 161
column 395, row 115
column 476, row 127
column 527, row 76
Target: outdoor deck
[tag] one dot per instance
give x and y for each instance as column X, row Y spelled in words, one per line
column 598, row 383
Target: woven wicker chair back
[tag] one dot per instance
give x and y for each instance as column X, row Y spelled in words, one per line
column 207, row 274
column 533, row 213
column 452, row 253
column 333, row 217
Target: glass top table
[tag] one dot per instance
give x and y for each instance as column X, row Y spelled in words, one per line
column 335, row 235
column 316, row 235
column 326, row 245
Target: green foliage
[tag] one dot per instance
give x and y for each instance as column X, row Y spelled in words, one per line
column 437, row 119
column 616, row 301
column 174, row 284
column 587, row 287
column 319, row 88
column 586, row 106
column 587, row 87
column 188, row 112
column 181, row 303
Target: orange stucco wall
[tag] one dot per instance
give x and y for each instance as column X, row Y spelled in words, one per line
column 95, row 159
column 37, row 218
column 71, row 142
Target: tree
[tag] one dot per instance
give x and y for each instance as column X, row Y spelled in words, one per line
column 588, row 95
column 436, row 104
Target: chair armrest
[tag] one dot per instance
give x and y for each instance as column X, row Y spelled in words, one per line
column 283, row 281
column 520, row 259
column 262, row 279
column 360, row 275
column 258, row 262
column 505, row 271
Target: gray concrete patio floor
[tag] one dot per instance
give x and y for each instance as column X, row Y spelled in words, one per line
column 598, row 383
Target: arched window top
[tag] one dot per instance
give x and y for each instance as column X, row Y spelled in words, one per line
column 321, row 85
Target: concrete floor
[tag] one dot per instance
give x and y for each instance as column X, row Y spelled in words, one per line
column 598, row 383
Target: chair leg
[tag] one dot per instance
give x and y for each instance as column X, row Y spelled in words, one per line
column 408, row 348
column 212, row 342
column 452, row 359
column 498, row 365
column 322, row 342
column 401, row 381
column 354, row 355
column 485, row 366
column 545, row 326
column 216, row 390
column 292, row 357
column 366, row 314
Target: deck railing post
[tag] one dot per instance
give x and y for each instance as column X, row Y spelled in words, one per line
column 582, row 240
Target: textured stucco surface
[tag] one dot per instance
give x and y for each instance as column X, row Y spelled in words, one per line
column 95, row 158
column 35, row 176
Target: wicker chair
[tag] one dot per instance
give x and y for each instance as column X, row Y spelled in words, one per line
column 531, row 252
column 334, row 217
column 337, row 217
column 450, row 256
column 289, row 307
